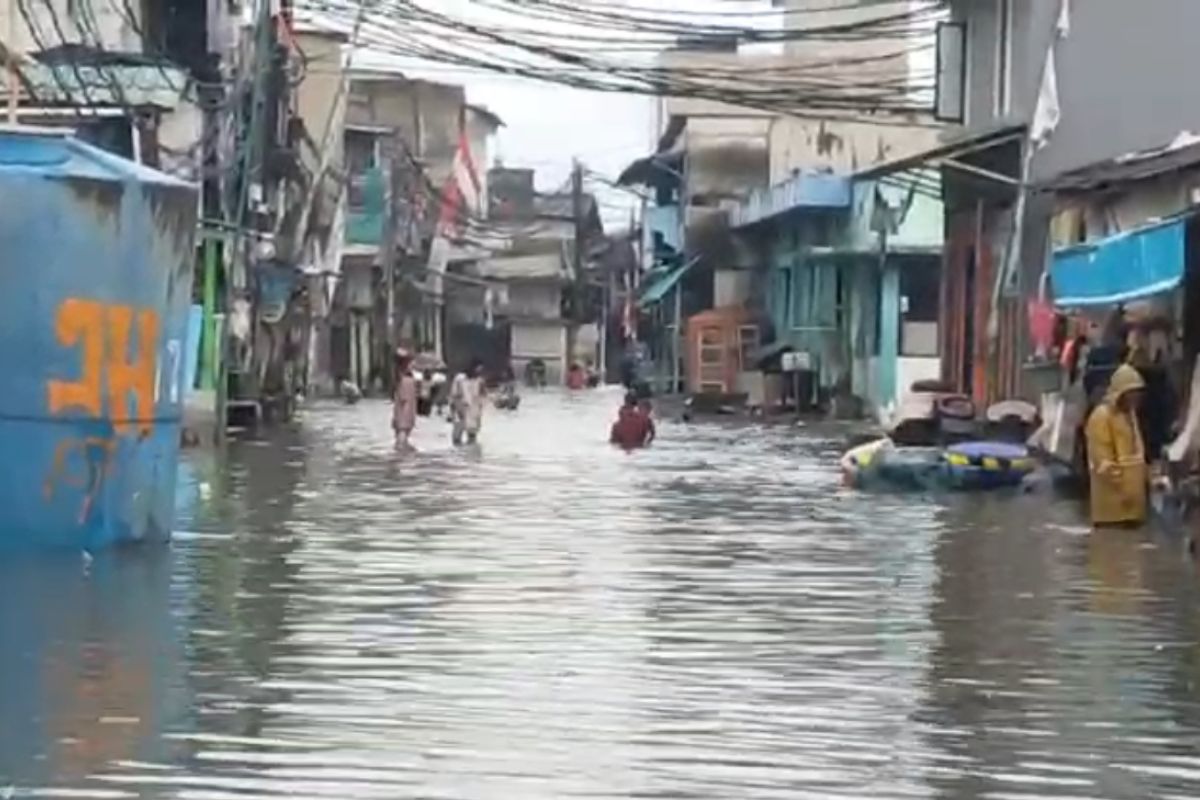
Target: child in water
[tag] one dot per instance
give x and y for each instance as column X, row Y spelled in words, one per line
column 634, row 428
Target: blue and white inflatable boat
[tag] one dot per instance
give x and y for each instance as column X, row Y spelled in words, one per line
column 969, row 466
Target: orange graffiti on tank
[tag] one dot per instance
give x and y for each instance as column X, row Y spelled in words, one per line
column 118, row 346
column 80, row 323
column 134, row 377
column 104, row 335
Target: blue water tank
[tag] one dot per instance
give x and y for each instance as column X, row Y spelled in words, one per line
column 97, row 256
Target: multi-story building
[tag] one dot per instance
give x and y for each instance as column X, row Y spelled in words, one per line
column 752, row 238
column 523, row 306
column 392, row 150
column 1037, row 90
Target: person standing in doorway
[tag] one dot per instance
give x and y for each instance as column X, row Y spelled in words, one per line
column 467, row 394
column 1116, row 455
column 404, row 401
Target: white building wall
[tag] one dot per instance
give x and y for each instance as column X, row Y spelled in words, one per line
column 846, row 146
column 540, row 300
column 544, row 340
column 840, row 147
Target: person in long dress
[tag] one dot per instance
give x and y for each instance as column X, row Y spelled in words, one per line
column 467, row 394
column 404, row 401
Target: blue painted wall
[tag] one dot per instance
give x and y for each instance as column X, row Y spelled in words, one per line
column 96, row 292
column 920, row 228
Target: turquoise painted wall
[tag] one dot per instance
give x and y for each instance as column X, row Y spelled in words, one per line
column 364, row 225
column 921, row 228
column 853, row 332
column 889, row 335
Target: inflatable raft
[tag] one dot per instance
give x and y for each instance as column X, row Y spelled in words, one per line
column 969, row 466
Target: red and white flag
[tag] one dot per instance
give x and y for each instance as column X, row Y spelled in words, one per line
column 462, row 193
column 460, row 200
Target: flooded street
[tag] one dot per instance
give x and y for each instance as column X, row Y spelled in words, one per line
column 545, row 617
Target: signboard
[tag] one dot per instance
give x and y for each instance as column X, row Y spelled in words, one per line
column 796, row 362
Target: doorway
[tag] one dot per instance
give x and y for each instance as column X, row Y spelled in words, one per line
column 966, row 378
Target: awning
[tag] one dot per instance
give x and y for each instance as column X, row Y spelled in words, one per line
column 656, row 291
column 658, row 169
column 1129, row 266
column 950, row 151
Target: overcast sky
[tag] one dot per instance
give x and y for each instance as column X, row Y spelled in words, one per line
column 547, row 126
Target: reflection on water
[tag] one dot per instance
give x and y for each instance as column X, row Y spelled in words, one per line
column 91, row 668
column 545, row 617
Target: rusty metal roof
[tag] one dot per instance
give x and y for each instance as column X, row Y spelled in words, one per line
column 1181, row 154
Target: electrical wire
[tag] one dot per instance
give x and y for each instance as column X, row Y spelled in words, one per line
column 405, row 29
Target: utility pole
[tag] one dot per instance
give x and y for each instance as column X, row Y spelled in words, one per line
column 391, row 203
column 602, row 327
column 579, row 285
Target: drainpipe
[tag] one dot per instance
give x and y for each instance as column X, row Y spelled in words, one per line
column 889, row 321
column 676, row 336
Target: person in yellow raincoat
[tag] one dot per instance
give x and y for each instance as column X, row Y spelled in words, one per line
column 1116, row 455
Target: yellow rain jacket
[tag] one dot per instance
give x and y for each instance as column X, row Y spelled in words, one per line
column 1116, row 456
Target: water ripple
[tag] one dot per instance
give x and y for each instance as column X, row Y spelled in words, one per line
column 546, row 617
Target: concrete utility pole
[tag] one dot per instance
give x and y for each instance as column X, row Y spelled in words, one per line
column 602, row 327
column 579, row 283
column 391, row 205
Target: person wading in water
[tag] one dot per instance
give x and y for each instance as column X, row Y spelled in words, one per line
column 404, row 401
column 634, row 428
column 1116, row 454
column 466, row 404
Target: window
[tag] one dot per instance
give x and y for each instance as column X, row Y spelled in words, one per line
column 920, row 299
column 951, row 85
column 747, row 346
column 362, row 158
column 1004, row 47
column 920, row 288
column 712, row 360
column 362, row 150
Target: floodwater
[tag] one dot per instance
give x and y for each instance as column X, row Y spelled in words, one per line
column 544, row 617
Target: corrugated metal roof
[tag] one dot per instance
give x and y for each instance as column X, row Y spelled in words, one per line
column 1181, row 154
column 107, row 84
column 655, row 292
